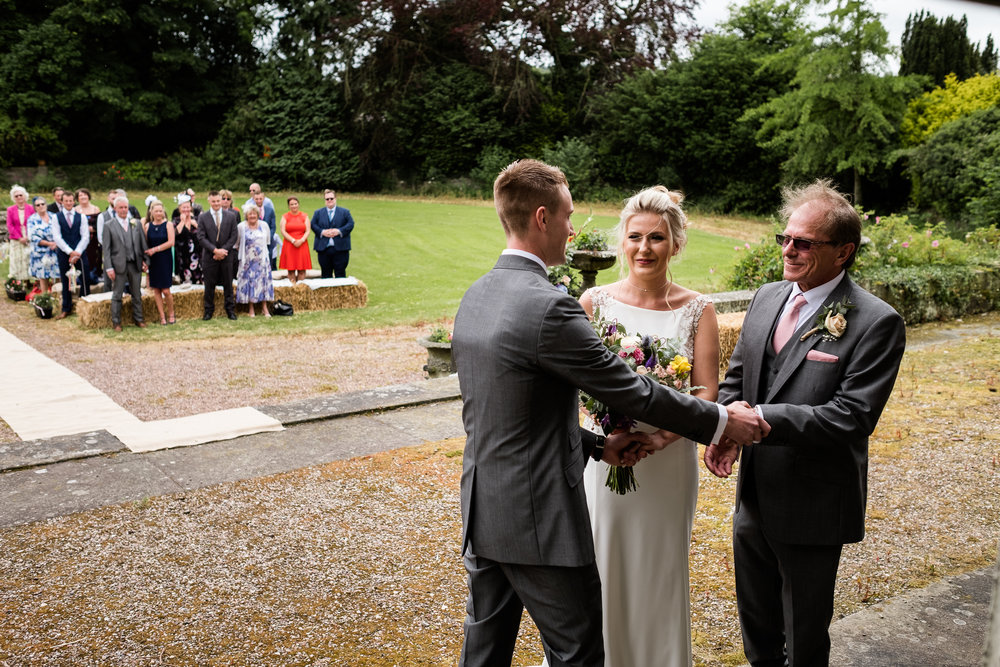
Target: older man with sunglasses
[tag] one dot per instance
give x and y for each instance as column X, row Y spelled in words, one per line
column 817, row 357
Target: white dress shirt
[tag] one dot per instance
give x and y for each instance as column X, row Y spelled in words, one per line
column 57, row 233
column 814, row 299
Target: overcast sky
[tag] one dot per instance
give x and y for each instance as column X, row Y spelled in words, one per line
column 984, row 19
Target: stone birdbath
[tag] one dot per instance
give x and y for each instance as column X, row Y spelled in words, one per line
column 589, row 262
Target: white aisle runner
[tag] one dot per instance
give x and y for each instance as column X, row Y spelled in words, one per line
column 42, row 399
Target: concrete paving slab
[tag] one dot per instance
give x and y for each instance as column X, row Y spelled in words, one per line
column 943, row 624
column 27, row 453
column 34, row 494
column 429, row 422
column 263, row 454
column 358, row 402
column 68, row 486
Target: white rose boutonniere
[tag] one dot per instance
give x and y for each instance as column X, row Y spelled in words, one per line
column 831, row 322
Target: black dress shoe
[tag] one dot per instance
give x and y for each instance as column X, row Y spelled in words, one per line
column 231, row 316
column 206, row 316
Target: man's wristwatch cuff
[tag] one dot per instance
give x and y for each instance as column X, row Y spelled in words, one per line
column 598, row 452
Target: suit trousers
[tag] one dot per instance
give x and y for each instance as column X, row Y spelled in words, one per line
column 67, row 289
column 133, row 276
column 333, row 263
column 564, row 602
column 217, row 272
column 784, row 593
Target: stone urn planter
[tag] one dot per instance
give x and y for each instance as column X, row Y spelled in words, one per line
column 589, row 262
column 439, row 361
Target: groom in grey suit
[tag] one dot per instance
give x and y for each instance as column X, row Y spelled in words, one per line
column 802, row 490
column 522, row 349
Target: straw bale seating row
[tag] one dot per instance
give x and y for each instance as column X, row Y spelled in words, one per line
column 310, row 294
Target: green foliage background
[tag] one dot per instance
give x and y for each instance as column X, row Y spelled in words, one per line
column 435, row 97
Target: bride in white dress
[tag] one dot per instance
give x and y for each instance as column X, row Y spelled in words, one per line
column 642, row 538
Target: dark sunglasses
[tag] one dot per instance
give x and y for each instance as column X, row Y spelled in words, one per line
column 330, row 198
column 802, row 245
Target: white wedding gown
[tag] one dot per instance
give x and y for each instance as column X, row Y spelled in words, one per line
column 642, row 538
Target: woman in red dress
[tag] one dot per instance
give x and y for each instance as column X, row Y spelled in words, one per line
column 295, row 255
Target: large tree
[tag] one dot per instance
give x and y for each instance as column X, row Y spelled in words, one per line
column 843, row 111
column 939, row 47
column 88, row 81
column 517, row 73
column 680, row 126
column 956, row 172
column 926, row 114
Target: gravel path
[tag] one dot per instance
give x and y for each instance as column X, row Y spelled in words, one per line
column 356, row 562
column 166, row 379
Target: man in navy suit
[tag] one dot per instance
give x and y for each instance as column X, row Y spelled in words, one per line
column 332, row 226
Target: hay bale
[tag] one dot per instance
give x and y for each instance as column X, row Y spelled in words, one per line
column 95, row 311
column 730, row 325
column 300, row 295
column 351, row 296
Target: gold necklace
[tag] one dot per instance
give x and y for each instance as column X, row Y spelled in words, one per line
column 643, row 289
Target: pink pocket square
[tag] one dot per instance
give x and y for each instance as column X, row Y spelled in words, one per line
column 816, row 355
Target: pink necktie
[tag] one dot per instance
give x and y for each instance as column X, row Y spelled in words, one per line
column 786, row 327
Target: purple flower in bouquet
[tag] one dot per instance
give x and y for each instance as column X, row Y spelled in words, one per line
column 658, row 358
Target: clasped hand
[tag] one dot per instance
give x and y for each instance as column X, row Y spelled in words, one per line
column 627, row 449
column 747, row 428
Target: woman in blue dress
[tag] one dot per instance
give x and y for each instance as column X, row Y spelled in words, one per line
column 160, row 238
column 253, row 280
column 43, row 262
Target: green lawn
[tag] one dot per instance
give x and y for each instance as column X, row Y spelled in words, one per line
column 418, row 257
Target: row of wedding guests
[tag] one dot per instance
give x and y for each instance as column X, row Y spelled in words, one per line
column 49, row 244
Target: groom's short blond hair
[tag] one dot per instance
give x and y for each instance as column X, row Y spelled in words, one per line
column 521, row 188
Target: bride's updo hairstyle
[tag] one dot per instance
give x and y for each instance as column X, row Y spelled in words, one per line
column 659, row 201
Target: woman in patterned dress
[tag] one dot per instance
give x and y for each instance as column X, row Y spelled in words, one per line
column 253, row 282
column 95, row 257
column 187, row 251
column 44, row 263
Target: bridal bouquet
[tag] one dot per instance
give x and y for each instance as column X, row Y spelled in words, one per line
column 659, row 358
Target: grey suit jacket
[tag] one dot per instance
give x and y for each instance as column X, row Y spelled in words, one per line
column 113, row 243
column 522, row 349
column 811, row 472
